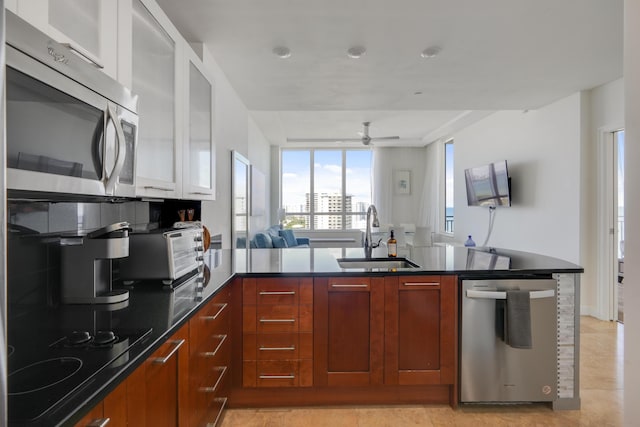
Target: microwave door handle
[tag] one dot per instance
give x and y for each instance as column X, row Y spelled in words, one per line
column 121, row 154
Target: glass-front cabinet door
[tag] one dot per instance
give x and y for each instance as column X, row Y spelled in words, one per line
column 198, row 177
column 155, row 49
column 88, row 27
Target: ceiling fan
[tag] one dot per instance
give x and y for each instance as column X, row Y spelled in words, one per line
column 364, row 138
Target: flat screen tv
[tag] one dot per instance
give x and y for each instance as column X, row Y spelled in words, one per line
column 488, row 185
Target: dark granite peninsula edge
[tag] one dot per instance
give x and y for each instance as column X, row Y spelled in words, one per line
column 150, row 304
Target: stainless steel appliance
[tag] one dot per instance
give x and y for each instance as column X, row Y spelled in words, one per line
column 70, row 127
column 490, row 369
column 87, row 265
column 163, row 254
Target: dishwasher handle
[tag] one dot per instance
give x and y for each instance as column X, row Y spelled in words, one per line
column 548, row 293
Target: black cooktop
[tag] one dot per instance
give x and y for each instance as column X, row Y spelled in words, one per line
column 44, row 370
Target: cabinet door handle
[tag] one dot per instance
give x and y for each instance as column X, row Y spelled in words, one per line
column 155, row 187
column 215, row 316
column 215, row 386
column 85, row 54
column 421, row 284
column 291, row 348
column 277, row 377
column 223, row 338
column 101, row 422
column 200, row 193
column 177, row 345
column 277, row 320
column 277, row 292
column 362, row 285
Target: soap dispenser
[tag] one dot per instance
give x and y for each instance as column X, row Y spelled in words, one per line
column 469, row 242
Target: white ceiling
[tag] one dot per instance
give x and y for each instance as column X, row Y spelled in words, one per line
column 495, row 55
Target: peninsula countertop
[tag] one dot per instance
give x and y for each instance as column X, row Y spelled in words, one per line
column 151, row 307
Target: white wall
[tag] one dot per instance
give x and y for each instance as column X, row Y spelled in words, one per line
column 632, row 211
column 233, row 130
column 259, row 155
column 542, row 148
column 404, row 208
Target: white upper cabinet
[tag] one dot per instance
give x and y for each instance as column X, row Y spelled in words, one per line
column 151, row 66
column 88, row 27
column 198, row 177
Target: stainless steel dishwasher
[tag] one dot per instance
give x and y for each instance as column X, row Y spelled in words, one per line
column 490, row 369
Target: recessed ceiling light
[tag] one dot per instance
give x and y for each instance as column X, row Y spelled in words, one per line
column 356, row 52
column 282, row 52
column 430, row 52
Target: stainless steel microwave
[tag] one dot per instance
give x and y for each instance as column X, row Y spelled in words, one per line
column 70, row 128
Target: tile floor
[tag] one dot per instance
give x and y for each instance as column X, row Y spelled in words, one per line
column 601, row 391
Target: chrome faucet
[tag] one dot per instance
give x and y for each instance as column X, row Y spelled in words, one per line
column 368, row 244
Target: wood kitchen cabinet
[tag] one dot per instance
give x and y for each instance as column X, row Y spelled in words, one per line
column 420, row 330
column 348, row 331
column 210, row 360
column 166, row 385
column 277, row 332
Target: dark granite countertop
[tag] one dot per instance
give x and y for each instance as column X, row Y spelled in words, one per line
column 151, row 306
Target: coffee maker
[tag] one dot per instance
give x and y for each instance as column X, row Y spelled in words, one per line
column 87, row 265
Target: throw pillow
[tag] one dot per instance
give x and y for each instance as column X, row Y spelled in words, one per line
column 289, row 237
column 263, row 240
column 279, row 242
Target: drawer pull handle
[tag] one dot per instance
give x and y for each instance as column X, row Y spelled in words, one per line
column 213, row 389
column 101, row 422
column 421, row 284
column 277, row 320
column 215, row 316
column 222, row 338
column 277, row 292
column 277, row 377
column 292, row 348
column 177, row 345
column 362, row 285
column 224, row 404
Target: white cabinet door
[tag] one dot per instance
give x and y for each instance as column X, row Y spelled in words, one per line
column 198, row 173
column 156, row 48
column 88, row 27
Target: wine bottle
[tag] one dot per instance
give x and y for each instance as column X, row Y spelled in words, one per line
column 392, row 246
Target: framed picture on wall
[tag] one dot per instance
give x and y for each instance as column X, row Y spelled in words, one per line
column 402, row 182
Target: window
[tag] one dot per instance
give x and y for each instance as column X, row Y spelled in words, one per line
column 448, row 187
column 325, row 189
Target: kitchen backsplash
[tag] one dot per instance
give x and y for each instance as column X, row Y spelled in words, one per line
column 33, row 244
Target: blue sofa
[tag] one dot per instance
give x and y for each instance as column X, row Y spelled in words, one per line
column 274, row 237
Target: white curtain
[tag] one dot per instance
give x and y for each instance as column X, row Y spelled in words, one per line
column 381, row 183
column 431, row 212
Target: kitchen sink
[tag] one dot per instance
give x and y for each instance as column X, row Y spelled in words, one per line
column 377, row 263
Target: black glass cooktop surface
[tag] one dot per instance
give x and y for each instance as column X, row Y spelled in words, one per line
column 44, row 370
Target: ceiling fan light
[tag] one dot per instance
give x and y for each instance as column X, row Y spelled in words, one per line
column 356, row 52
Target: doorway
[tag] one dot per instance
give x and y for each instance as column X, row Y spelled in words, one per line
column 610, row 241
column 618, row 206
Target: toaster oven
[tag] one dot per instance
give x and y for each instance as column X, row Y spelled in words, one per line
column 163, row 255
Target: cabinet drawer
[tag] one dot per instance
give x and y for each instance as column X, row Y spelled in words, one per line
column 271, row 347
column 209, row 399
column 203, row 363
column 277, row 318
column 277, row 292
column 211, row 321
column 418, row 283
column 282, row 373
column 349, row 284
